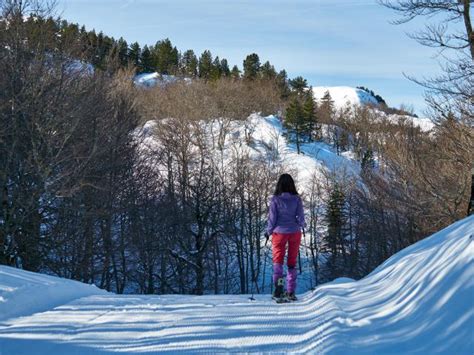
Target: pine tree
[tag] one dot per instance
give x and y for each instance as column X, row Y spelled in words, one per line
column 225, row 68
column 299, row 84
column 268, row 71
column 205, row 65
column 122, row 52
column 326, row 108
column 165, row 57
column 294, row 121
column 189, row 63
column 235, row 73
column 251, row 67
column 146, row 61
column 334, row 240
column 216, row 70
column 282, row 82
column 309, row 112
column 134, row 54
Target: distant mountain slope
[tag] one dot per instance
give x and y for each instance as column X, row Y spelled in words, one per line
column 343, row 95
column 419, row 301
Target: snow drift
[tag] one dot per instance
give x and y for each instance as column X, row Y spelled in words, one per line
column 24, row 293
column 418, row 301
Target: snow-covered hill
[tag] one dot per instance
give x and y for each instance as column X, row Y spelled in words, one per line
column 262, row 137
column 344, row 95
column 419, row 301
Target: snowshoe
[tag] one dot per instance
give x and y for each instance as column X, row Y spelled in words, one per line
column 291, row 297
column 279, row 295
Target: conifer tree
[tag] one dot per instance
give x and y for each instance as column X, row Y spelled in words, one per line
column 251, row 66
column 294, row 121
column 282, row 82
column 189, row 63
column 122, row 51
column 225, row 68
column 309, row 113
column 334, row 240
column 268, row 71
column 216, row 70
column 165, row 57
column 326, row 108
column 299, row 84
column 235, row 73
column 134, row 54
column 205, row 65
column 146, row 62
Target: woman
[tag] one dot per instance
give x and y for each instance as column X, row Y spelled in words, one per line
column 285, row 220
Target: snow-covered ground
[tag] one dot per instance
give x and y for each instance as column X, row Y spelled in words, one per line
column 420, row 301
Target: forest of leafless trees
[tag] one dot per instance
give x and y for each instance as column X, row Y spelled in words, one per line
column 131, row 189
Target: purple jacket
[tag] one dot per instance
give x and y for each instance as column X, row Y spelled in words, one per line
column 286, row 214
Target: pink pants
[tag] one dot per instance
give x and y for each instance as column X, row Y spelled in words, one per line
column 279, row 242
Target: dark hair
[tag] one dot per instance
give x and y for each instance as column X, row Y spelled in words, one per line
column 285, row 184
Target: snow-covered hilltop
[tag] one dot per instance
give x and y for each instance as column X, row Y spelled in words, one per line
column 345, row 95
column 418, row 301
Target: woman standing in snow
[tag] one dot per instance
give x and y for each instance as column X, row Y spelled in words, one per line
column 285, row 220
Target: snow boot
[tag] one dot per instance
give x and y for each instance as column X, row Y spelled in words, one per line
column 279, row 295
column 291, row 296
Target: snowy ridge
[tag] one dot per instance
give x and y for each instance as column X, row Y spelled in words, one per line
column 345, row 95
column 418, row 301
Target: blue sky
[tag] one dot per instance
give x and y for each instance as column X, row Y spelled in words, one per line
column 329, row 42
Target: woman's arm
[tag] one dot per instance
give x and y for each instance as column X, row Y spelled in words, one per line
column 300, row 213
column 272, row 216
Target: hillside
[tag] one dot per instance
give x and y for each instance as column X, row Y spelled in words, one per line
column 418, row 301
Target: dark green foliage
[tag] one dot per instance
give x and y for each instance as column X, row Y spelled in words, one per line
column 122, row 52
column 294, row 121
column 216, row 70
column 146, row 61
column 134, row 54
column 235, row 73
column 225, row 71
column 251, row 66
column 282, row 82
column 189, row 63
column 205, row 65
column 334, row 240
column 165, row 57
column 299, row 84
column 267, row 71
column 312, row 128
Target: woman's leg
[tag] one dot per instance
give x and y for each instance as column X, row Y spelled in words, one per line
column 278, row 253
column 294, row 240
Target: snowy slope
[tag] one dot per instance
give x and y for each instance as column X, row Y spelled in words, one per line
column 267, row 139
column 419, row 301
column 23, row 292
column 345, row 95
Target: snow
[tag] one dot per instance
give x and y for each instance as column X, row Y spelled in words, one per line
column 23, row 293
column 148, row 80
column 345, row 95
column 419, row 301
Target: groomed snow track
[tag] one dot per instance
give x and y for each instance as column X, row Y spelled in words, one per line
column 419, row 301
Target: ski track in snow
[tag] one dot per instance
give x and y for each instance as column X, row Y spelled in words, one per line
column 418, row 301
